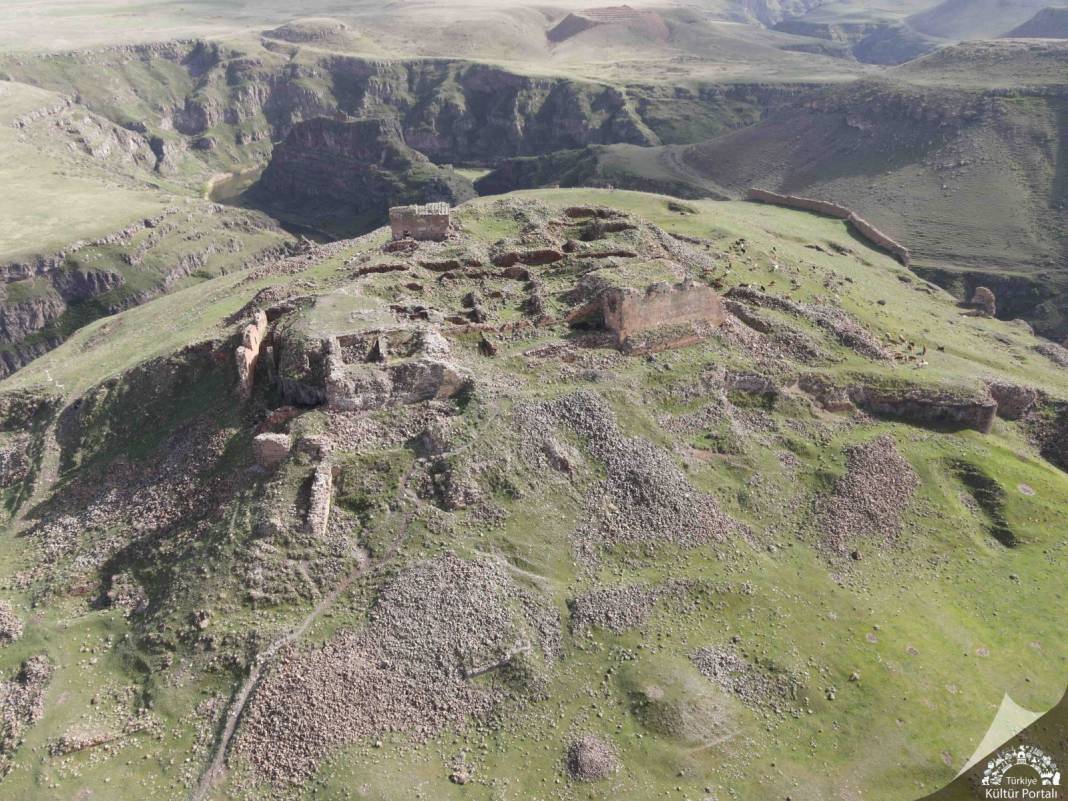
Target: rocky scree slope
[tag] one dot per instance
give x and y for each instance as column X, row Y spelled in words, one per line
column 606, row 526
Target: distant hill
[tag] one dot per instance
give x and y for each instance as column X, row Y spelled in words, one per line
column 975, row 19
column 643, row 22
column 963, row 179
column 1049, row 23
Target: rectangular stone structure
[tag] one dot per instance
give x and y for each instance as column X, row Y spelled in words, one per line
column 630, row 311
column 423, row 223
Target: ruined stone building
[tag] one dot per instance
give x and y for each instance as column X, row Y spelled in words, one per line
column 424, row 223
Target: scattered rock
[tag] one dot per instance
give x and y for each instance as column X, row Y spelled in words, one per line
column 869, row 500
column 589, row 758
column 10, row 625
column 406, row 671
column 753, row 684
column 21, row 705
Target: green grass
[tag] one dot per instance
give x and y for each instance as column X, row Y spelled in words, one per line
column 35, row 222
column 936, row 624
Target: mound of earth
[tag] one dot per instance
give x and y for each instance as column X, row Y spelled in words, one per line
column 755, row 685
column 869, row 500
column 974, row 19
column 1049, row 23
column 643, row 22
column 620, row 609
column 589, row 758
column 22, row 705
column 10, row 624
column 438, row 623
column 645, row 496
column 310, row 31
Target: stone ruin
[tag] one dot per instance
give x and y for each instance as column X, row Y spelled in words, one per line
column 429, row 223
column 630, row 311
column 379, row 368
column 984, row 301
column 864, row 229
column 247, row 354
column 658, row 317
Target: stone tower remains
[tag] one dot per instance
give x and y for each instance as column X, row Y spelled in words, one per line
column 424, row 223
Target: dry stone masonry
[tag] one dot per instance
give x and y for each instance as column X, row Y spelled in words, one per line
column 861, row 226
column 247, row 354
column 422, row 223
column 629, row 312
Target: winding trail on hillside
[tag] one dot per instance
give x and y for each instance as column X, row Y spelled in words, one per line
column 263, row 660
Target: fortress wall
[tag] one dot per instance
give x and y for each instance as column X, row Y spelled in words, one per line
column 862, row 227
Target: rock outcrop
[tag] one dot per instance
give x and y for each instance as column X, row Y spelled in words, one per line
column 1013, row 400
column 350, row 172
column 925, row 407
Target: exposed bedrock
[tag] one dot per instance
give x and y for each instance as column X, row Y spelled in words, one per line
column 335, row 170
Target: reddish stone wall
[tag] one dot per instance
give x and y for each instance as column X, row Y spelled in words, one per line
column 863, row 228
column 631, row 311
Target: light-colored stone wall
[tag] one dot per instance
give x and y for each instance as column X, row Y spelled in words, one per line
column 322, row 491
column 424, row 223
column 247, row 354
column 862, row 227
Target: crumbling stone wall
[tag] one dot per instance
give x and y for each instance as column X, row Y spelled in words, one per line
column 322, row 490
column 629, row 311
column 925, row 407
column 1013, row 400
column 861, row 226
column 424, row 223
column 247, row 354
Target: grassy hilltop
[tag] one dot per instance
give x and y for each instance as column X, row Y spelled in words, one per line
column 744, row 646
column 627, row 489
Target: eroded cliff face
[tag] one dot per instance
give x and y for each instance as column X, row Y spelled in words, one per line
column 222, row 100
column 45, row 298
column 345, row 174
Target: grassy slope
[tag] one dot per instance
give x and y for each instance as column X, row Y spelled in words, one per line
column 981, row 192
column 33, row 221
column 945, row 593
column 967, row 19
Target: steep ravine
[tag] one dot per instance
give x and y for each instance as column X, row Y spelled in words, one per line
column 201, row 109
